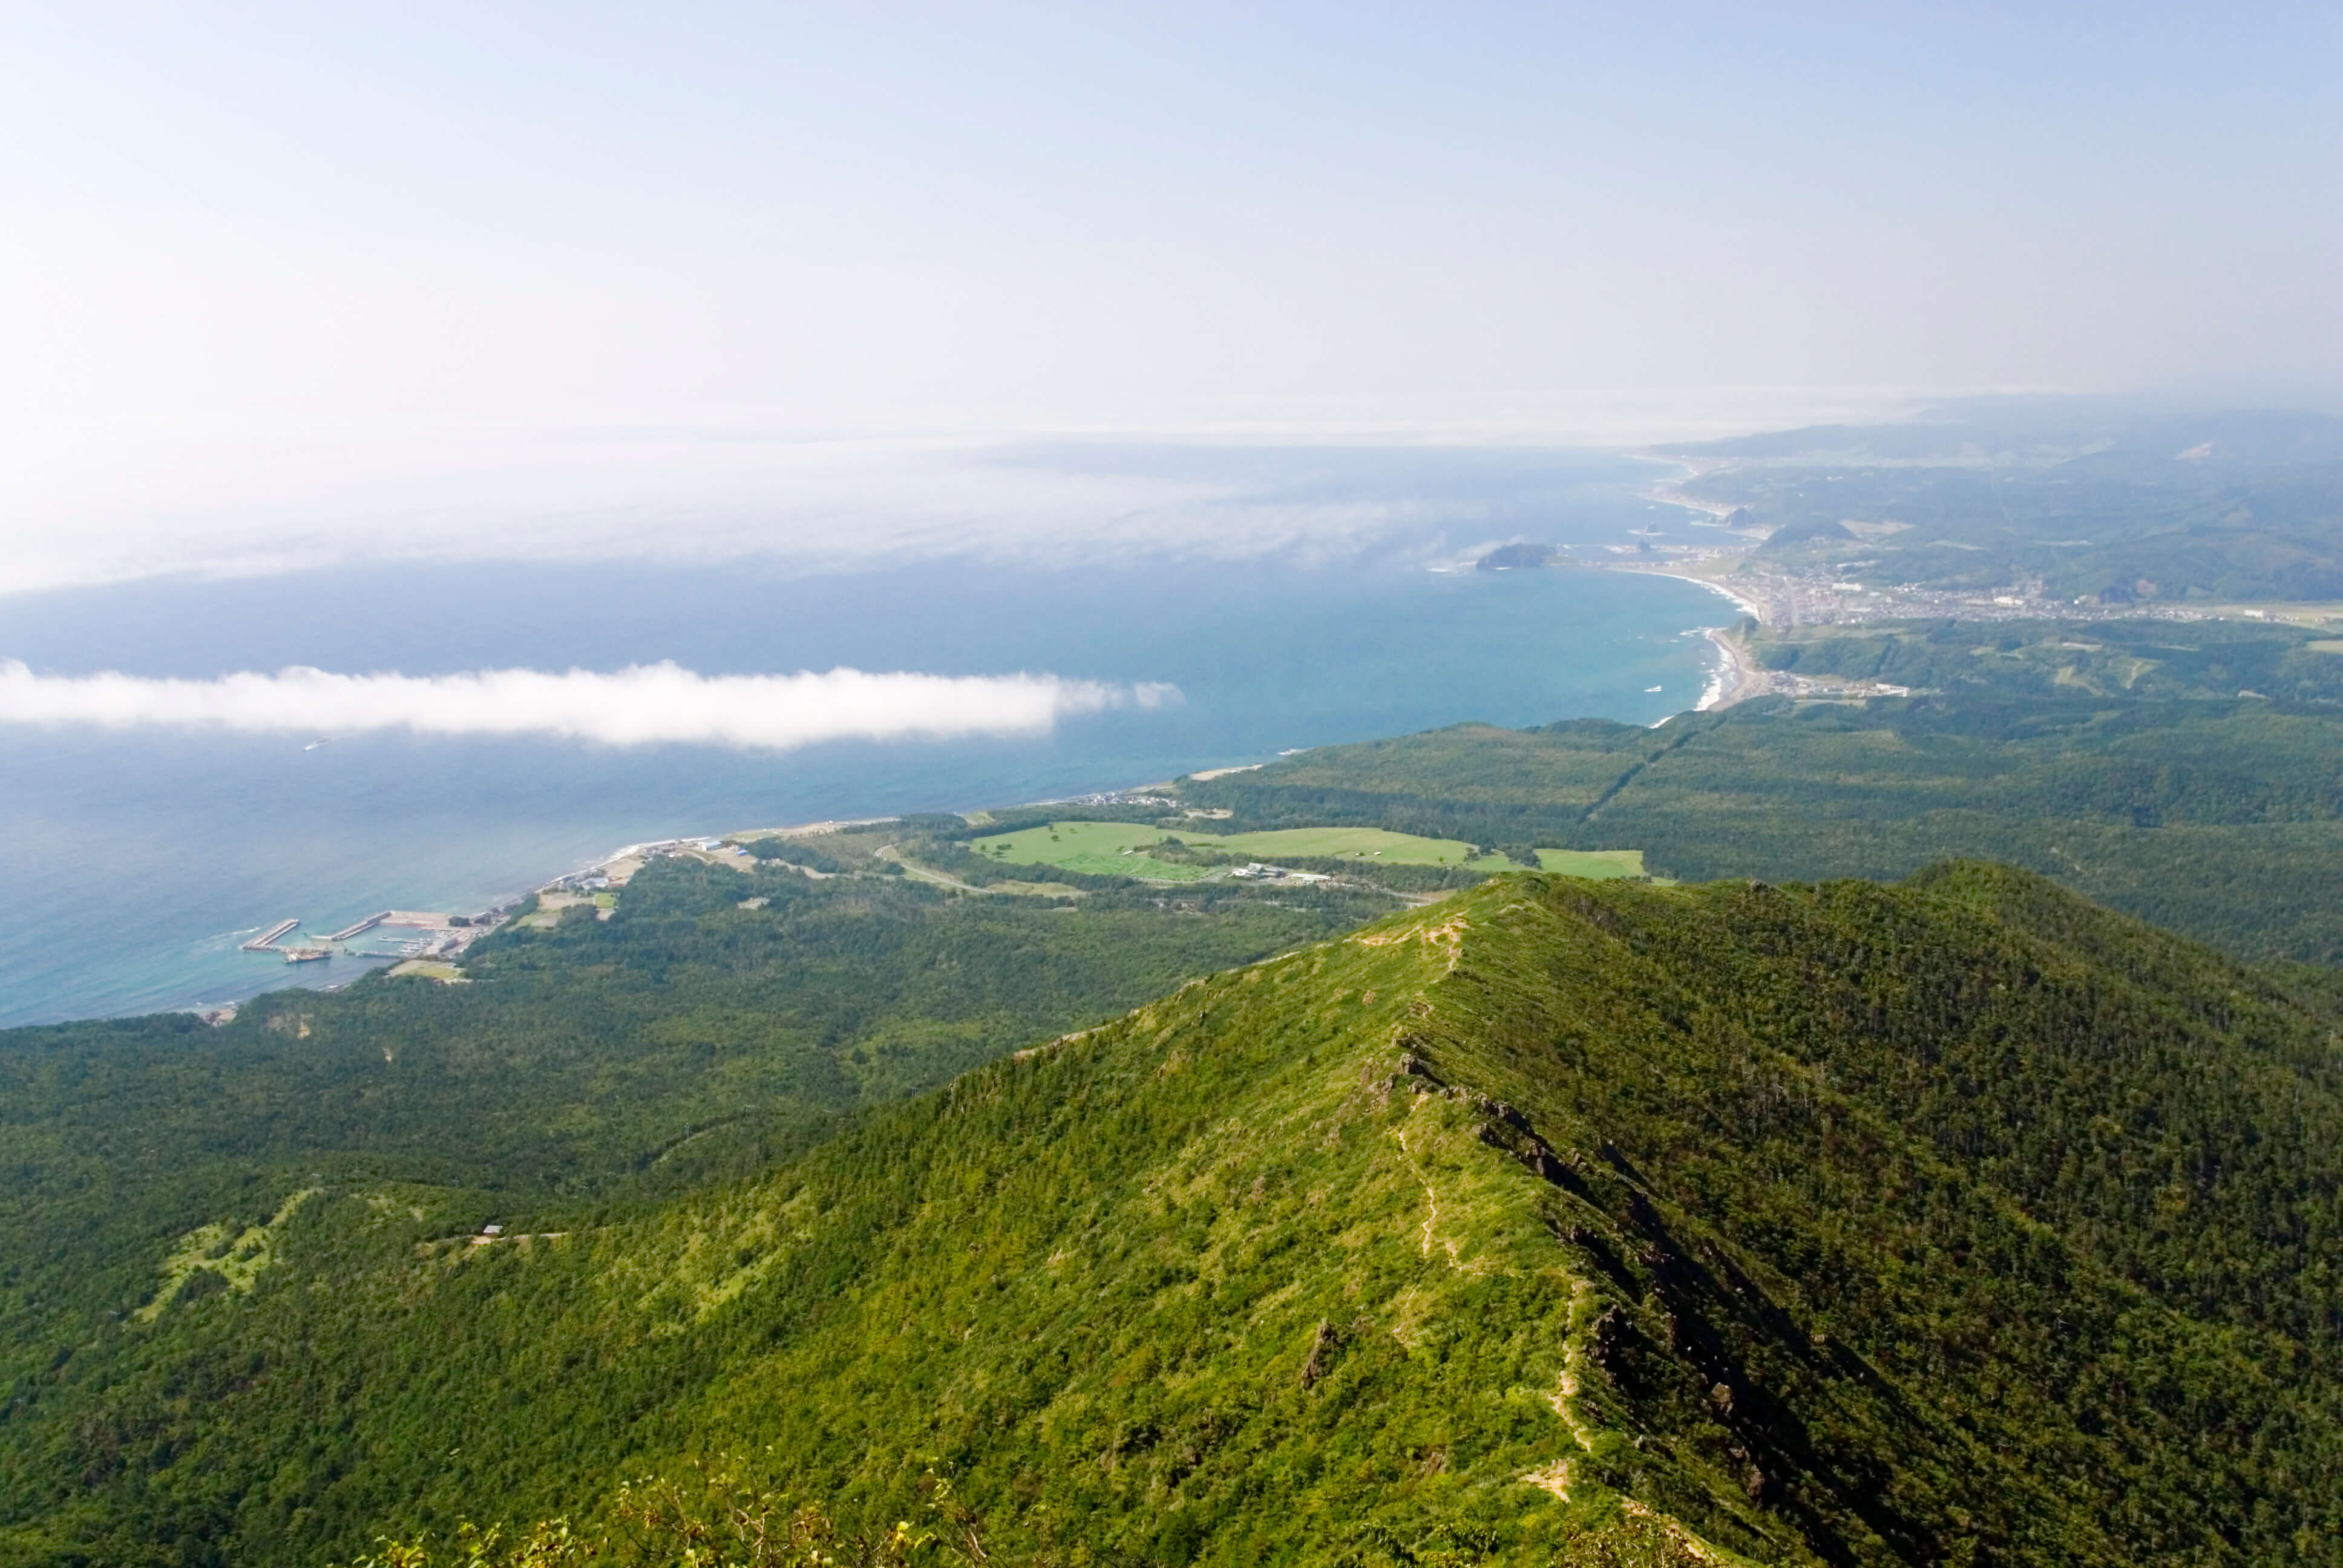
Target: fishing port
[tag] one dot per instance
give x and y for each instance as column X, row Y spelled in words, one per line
column 271, row 942
column 445, row 935
column 394, row 918
column 437, row 948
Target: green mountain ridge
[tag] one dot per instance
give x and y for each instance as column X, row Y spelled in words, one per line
column 1954, row 1220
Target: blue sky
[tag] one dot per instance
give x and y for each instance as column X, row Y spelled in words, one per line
column 259, row 255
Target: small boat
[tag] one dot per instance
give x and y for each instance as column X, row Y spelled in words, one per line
column 1651, row 689
column 321, row 741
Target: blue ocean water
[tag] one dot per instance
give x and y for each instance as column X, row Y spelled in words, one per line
column 136, row 861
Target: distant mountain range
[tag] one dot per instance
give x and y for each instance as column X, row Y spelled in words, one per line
column 2080, row 499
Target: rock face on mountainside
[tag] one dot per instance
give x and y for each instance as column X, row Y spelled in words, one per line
column 1952, row 1221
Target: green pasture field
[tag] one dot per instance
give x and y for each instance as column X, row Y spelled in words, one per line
column 1351, row 844
column 1133, row 865
column 1097, row 848
column 1593, row 862
column 1112, row 848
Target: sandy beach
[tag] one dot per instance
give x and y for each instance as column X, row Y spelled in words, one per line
column 1747, row 606
column 1735, row 677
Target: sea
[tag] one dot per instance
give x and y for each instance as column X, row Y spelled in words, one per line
column 136, row 861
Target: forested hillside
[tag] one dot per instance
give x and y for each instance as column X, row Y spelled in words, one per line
column 718, row 1021
column 1954, row 1221
column 2088, row 753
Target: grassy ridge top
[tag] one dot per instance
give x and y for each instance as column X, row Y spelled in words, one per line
column 1954, row 1221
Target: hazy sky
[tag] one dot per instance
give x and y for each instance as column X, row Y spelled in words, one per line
column 262, row 261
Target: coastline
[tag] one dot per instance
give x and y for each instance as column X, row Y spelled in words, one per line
column 1747, row 606
column 1733, row 679
column 368, row 872
column 1735, row 676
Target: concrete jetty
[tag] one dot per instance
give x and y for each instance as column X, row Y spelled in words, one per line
column 266, row 940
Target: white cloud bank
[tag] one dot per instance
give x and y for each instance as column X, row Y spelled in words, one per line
column 641, row 705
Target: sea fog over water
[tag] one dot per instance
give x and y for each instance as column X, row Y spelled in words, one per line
column 137, row 859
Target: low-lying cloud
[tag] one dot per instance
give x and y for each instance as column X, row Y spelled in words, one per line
column 222, row 499
column 646, row 704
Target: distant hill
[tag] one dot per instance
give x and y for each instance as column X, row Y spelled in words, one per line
column 2075, row 498
column 1955, row 1222
column 2045, row 431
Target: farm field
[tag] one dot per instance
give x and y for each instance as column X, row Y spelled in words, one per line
column 1117, row 848
column 1593, row 862
column 1097, row 848
column 1352, row 844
